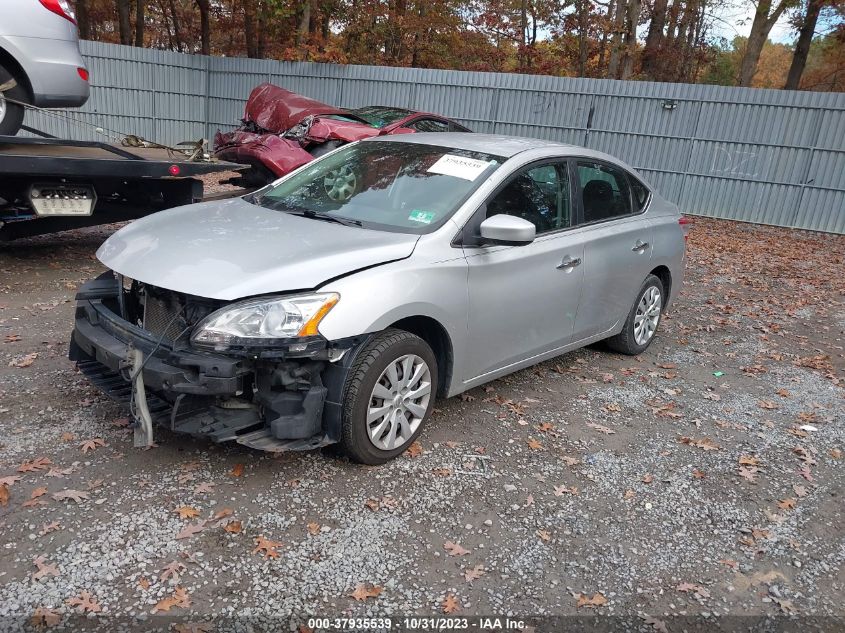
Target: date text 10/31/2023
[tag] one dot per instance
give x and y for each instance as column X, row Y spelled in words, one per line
column 415, row 623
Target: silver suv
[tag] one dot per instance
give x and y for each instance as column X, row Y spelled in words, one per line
column 310, row 313
column 40, row 63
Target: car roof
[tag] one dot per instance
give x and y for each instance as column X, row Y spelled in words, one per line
column 495, row 144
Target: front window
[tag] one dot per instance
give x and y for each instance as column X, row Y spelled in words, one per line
column 379, row 116
column 393, row 186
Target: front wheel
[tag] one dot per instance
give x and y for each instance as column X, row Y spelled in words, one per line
column 643, row 319
column 388, row 397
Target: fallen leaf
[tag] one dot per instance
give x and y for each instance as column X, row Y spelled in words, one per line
column 266, row 547
column 179, row 598
column 749, row 473
column 597, row 600
column 237, row 470
column 475, row 573
column 41, row 463
column 68, row 437
column 172, row 570
column 187, row 512
column 835, row 453
column 657, row 625
column 703, row 443
column 190, row 530
column 455, row 549
column 313, row 528
column 600, row 428
column 364, row 591
column 749, row 460
column 90, row 445
column 544, row 535
column 698, row 590
column 49, row 527
column 43, row 617
column 204, row 487
column 76, row 495
column 233, row 527
column 450, row 604
column 800, row 491
column 442, row 472
column 563, row 490
column 23, row 361
column 534, row 444
column 786, row 504
column 197, row 627
column 698, row 474
column 44, row 569
column 414, row 450
column 143, row 583
column 647, row 478
column 10, row 480
column 85, row 603
column 545, row 427
column 4, row 495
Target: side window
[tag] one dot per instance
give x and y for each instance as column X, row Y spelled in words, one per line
column 457, row 127
column 539, row 195
column 604, row 190
column 429, row 125
column 640, row 192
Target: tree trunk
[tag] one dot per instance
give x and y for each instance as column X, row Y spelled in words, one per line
column 123, row 22
column 83, row 21
column 177, row 27
column 304, row 25
column 249, row 29
column 652, row 53
column 616, row 43
column 139, row 22
column 632, row 17
column 802, row 47
column 583, row 9
column 205, row 27
column 760, row 29
column 263, row 9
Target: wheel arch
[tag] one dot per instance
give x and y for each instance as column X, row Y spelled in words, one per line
column 432, row 332
column 13, row 66
column 665, row 276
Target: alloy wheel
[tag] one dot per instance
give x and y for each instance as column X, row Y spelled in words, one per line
column 2, row 107
column 340, row 183
column 648, row 315
column 399, row 402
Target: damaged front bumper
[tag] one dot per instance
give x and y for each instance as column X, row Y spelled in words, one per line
column 284, row 400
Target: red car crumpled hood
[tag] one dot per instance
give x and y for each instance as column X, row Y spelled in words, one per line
column 277, row 110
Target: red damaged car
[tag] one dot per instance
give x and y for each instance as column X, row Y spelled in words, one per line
column 282, row 130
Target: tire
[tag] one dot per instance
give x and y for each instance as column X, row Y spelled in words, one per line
column 360, row 397
column 631, row 341
column 11, row 114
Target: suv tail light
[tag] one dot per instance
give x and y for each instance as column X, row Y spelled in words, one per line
column 60, row 7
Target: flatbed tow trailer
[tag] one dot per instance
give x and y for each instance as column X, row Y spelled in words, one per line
column 50, row 184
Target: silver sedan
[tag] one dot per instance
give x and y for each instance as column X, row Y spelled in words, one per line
column 335, row 304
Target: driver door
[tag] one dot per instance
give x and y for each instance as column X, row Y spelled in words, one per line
column 523, row 299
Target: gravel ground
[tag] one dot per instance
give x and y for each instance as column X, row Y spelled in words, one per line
column 704, row 477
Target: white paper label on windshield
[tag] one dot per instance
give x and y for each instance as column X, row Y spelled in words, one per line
column 459, row 166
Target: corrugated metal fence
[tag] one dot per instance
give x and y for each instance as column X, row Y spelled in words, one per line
column 765, row 156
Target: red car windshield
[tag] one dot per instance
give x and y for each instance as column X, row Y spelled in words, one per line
column 381, row 116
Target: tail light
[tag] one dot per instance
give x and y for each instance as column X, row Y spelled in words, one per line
column 686, row 224
column 60, row 7
column 83, row 73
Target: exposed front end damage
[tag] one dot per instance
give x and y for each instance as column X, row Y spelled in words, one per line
column 132, row 340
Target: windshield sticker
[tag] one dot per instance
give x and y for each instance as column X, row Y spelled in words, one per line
column 426, row 217
column 459, row 167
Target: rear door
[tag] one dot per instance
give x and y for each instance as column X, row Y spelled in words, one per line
column 523, row 299
column 617, row 245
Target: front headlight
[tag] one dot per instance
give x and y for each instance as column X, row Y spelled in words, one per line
column 262, row 322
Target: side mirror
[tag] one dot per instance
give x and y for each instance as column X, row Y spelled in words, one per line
column 508, row 230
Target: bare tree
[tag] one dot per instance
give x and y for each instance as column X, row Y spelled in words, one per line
column 802, row 46
column 123, row 22
column 765, row 17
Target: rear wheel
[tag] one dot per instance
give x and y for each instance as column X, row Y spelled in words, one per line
column 388, row 397
column 643, row 319
column 11, row 114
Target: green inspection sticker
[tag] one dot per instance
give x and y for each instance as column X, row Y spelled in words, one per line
column 417, row 215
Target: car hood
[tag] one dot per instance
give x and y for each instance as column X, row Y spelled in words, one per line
column 276, row 110
column 234, row 249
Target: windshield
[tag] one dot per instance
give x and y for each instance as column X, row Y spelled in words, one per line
column 379, row 116
column 393, row 186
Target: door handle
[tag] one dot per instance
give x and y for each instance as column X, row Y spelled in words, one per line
column 640, row 246
column 568, row 263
